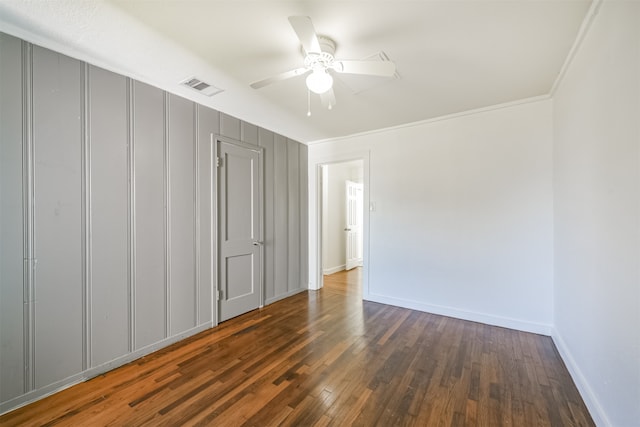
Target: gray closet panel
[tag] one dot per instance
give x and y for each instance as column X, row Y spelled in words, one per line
column 230, row 126
column 11, row 220
column 182, row 168
column 265, row 140
column 208, row 124
column 108, row 168
column 293, row 169
column 249, row 133
column 149, row 211
column 57, row 131
column 281, row 212
column 304, row 215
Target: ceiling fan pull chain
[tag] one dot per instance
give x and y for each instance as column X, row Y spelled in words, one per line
column 308, row 103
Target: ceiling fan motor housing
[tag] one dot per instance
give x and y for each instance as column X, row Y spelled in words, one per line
column 327, row 45
column 323, row 59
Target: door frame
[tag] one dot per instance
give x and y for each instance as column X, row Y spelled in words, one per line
column 216, row 213
column 315, row 213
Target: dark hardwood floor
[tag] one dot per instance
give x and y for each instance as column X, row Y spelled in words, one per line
column 328, row 358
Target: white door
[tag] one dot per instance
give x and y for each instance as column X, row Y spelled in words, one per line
column 240, row 229
column 353, row 228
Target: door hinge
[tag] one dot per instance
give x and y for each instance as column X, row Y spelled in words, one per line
column 218, row 294
column 218, row 161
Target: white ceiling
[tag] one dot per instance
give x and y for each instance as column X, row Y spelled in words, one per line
column 452, row 56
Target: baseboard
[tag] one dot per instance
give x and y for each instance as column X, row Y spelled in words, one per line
column 589, row 397
column 335, row 269
column 65, row 383
column 503, row 322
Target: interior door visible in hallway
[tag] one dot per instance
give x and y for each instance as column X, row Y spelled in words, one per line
column 240, row 228
column 353, row 224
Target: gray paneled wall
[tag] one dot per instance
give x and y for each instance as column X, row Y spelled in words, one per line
column 150, row 314
column 59, row 228
column 208, row 124
column 266, row 141
column 14, row 350
column 281, row 216
column 293, row 214
column 183, row 172
column 108, row 278
column 107, row 219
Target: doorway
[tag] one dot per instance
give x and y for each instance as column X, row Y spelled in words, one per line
column 342, row 220
column 240, row 230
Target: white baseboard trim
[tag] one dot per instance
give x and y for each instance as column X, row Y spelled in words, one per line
column 285, row 295
column 65, row 383
column 503, row 322
column 335, row 269
column 597, row 413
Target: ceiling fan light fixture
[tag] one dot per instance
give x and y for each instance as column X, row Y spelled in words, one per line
column 319, row 81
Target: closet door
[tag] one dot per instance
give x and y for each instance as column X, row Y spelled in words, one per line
column 240, row 234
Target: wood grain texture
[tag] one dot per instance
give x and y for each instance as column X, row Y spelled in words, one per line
column 328, row 358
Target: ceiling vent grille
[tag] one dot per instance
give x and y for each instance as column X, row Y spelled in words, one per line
column 200, row 86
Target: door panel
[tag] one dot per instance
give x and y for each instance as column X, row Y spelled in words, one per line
column 239, row 171
column 240, row 222
column 239, row 277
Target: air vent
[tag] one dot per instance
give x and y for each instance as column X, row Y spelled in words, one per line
column 202, row 87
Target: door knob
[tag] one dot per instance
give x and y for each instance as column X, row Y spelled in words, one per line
column 347, row 229
column 257, row 243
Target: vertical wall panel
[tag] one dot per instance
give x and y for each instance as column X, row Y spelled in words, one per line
column 58, row 216
column 304, row 215
column 208, row 124
column 11, row 220
column 108, row 168
column 230, row 126
column 265, row 139
column 281, row 212
column 293, row 171
column 249, row 133
column 182, row 214
column 149, row 213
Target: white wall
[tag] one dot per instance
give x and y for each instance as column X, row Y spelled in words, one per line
column 464, row 216
column 597, row 215
column 334, row 213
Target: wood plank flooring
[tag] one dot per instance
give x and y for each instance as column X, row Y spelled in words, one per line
column 329, row 359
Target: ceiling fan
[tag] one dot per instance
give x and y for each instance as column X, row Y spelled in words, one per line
column 319, row 61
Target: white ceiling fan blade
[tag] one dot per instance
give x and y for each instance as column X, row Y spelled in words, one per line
column 372, row 68
column 279, row 77
column 303, row 27
column 328, row 99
